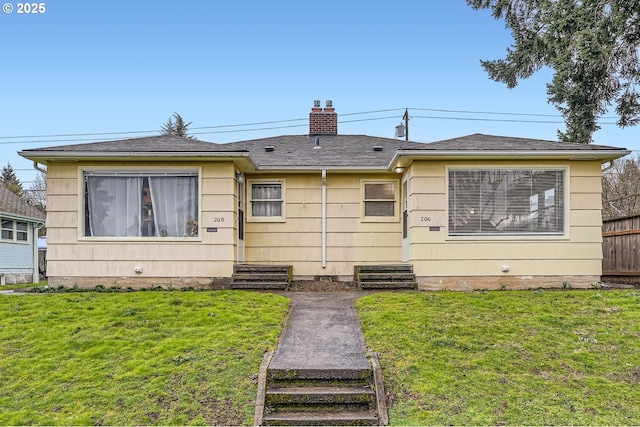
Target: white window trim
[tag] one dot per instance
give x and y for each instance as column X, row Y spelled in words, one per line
column 136, row 170
column 565, row 235
column 15, row 231
column 396, row 200
column 249, row 201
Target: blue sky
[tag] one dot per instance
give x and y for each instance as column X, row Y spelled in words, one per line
column 107, row 66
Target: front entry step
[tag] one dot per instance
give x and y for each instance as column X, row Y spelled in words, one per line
column 267, row 277
column 321, row 419
column 323, row 397
column 385, row 276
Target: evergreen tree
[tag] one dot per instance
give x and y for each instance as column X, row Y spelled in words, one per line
column 177, row 128
column 11, row 181
column 592, row 47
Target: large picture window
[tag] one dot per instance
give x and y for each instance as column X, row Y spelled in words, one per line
column 121, row 204
column 502, row 202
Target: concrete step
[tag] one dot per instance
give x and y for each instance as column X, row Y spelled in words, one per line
column 283, row 383
column 306, row 374
column 387, row 276
column 258, row 268
column 267, row 277
column 321, row 418
column 388, row 285
column 384, row 268
column 320, row 395
column 259, row 285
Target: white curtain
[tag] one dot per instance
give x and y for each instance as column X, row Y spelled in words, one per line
column 175, row 205
column 261, row 196
column 114, row 205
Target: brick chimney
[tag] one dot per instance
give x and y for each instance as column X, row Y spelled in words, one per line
column 323, row 122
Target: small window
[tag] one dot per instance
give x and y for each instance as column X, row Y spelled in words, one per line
column 15, row 231
column 7, row 229
column 267, row 201
column 22, row 231
column 380, row 199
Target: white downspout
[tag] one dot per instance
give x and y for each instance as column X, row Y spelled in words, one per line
column 324, row 218
column 38, row 168
column 36, row 259
column 36, row 227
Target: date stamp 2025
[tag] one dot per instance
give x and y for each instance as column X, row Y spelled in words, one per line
column 25, row 8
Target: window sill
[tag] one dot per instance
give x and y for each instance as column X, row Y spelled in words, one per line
column 140, row 239
column 19, row 242
column 510, row 237
column 380, row 219
column 266, row 219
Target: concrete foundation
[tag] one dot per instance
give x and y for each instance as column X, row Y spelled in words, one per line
column 470, row 283
column 15, row 279
column 137, row 283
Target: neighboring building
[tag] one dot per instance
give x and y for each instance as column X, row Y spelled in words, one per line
column 478, row 211
column 20, row 222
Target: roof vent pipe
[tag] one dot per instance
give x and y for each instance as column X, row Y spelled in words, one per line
column 317, row 146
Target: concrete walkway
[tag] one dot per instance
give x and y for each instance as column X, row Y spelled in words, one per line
column 322, row 333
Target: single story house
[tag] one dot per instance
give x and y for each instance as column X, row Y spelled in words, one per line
column 20, row 223
column 478, row 211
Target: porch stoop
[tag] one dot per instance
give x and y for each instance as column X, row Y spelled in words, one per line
column 267, row 277
column 322, row 397
column 385, row 276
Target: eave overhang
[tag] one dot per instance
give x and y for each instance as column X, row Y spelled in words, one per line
column 318, row 168
column 19, row 217
column 243, row 157
column 403, row 158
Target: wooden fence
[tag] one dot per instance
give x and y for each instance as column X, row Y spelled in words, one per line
column 621, row 250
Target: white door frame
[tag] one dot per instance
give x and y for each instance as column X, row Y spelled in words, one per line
column 406, row 248
column 241, row 216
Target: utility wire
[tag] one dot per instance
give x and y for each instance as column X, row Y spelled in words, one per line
column 70, row 137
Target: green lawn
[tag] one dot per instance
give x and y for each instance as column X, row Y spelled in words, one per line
column 137, row 358
column 510, row 357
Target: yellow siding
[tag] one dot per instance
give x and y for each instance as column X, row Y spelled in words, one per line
column 350, row 240
column 69, row 253
column 433, row 253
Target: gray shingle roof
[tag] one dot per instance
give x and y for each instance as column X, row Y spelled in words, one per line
column 481, row 142
column 163, row 143
column 10, row 203
column 336, row 151
column 298, row 151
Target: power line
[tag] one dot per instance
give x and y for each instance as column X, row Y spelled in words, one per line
column 494, row 113
column 145, row 131
column 71, row 137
